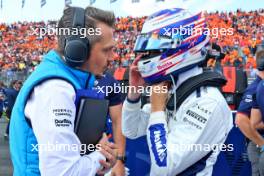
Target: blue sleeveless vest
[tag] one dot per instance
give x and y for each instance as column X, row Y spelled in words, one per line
column 22, row 139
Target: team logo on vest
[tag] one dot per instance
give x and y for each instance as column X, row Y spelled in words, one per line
column 62, row 112
column 62, row 123
column 158, row 144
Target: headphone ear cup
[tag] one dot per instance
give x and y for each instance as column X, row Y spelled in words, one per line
column 76, row 51
column 76, row 48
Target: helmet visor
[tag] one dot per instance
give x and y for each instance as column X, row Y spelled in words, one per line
column 146, row 42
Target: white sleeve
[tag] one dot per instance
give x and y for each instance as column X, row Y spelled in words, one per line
column 51, row 110
column 205, row 125
column 134, row 120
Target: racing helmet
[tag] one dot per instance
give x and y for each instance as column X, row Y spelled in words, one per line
column 175, row 41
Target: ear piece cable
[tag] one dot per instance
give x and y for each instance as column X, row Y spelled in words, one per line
column 174, row 94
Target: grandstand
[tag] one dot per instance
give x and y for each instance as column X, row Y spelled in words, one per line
column 21, row 50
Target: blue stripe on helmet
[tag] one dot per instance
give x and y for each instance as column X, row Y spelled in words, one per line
column 166, row 11
column 169, row 28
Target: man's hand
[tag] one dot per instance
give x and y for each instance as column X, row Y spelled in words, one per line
column 159, row 96
column 118, row 169
column 109, row 150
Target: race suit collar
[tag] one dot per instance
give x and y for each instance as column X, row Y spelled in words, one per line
column 188, row 74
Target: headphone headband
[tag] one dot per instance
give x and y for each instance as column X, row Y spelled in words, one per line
column 79, row 17
column 77, row 49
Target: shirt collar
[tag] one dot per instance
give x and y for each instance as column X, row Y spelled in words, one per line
column 82, row 76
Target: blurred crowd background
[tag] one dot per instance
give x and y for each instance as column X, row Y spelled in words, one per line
column 21, row 51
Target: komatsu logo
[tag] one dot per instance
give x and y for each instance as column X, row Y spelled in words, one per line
column 166, row 65
column 158, row 144
column 161, row 149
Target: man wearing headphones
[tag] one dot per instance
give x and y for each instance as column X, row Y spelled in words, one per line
column 257, row 117
column 243, row 117
column 42, row 138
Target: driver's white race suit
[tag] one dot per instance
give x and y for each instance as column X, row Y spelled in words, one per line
column 185, row 143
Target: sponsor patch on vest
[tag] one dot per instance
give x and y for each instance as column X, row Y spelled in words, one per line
column 62, row 123
column 62, row 112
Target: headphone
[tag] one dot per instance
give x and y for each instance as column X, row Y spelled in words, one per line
column 77, row 49
column 260, row 63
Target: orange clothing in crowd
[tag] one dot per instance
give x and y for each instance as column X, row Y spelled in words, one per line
column 246, row 30
column 211, row 62
column 246, row 51
column 251, row 62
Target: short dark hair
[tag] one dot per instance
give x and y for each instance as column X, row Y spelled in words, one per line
column 93, row 16
column 260, row 54
column 2, row 84
column 13, row 83
column 260, row 59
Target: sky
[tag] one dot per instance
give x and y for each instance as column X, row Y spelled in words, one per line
column 12, row 11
